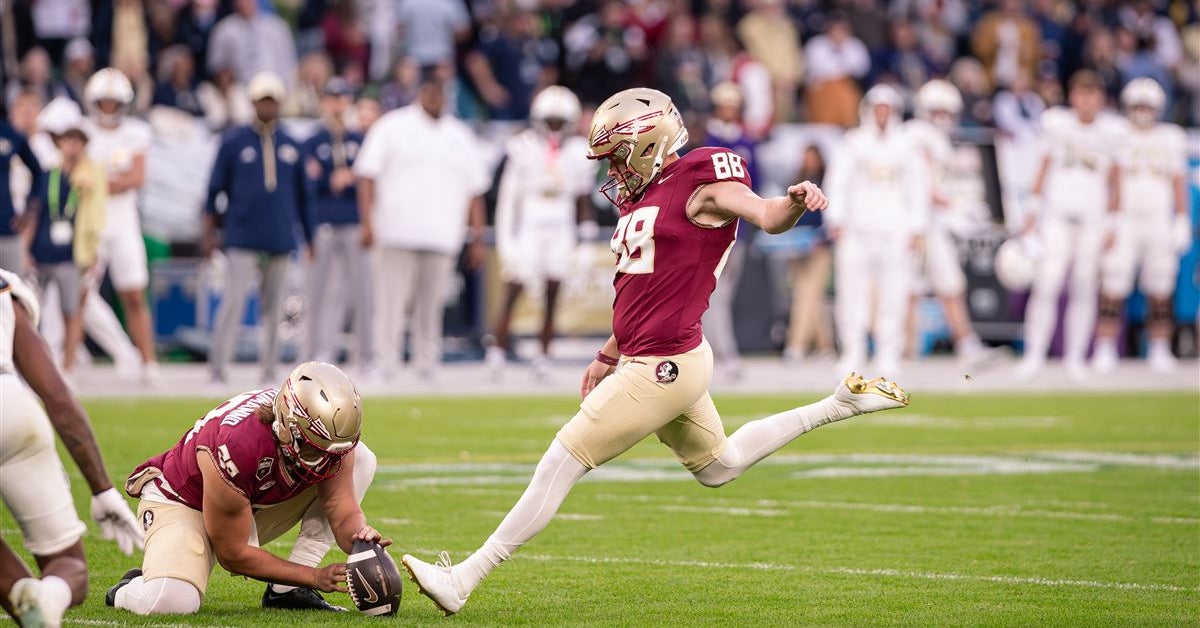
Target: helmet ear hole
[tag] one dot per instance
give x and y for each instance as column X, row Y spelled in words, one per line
column 649, row 150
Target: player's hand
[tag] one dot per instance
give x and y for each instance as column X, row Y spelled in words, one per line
column 1182, row 233
column 208, row 244
column 1110, row 238
column 476, row 255
column 833, row 233
column 330, row 578
column 807, row 195
column 1030, row 225
column 367, row 233
column 367, row 533
column 592, row 375
column 116, row 521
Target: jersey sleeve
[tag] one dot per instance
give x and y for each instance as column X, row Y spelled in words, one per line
column 233, row 457
column 713, row 165
column 21, row 293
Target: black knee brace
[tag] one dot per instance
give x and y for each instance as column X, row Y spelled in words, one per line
column 1110, row 308
column 1160, row 311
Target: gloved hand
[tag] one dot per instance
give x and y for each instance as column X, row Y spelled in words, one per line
column 1182, row 233
column 116, row 521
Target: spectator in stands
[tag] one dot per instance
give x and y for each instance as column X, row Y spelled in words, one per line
column 511, row 62
column 1138, row 58
column 868, row 21
column 1051, row 17
column 196, row 24
column 304, row 99
column 250, row 41
column 1100, row 56
column 224, row 101
column 969, row 76
column 14, row 146
column 421, row 181
column 78, row 63
column 340, row 277
column 176, row 81
column 122, row 34
column 135, row 69
column 717, row 46
column 34, row 75
column 260, row 173
column 604, row 52
column 1049, row 88
column 1018, row 110
column 367, row 109
column 404, row 84
column 771, row 38
column 1157, row 33
column 680, row 66
column 430, row 29
column 57, row 22
column 346, row 38
column 1008, row 42
column 811, row 268
column 836, row 61
column 903, row 62
column 940, row 26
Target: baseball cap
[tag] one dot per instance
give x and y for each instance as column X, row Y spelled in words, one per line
column 60, row 116
column 338, row 86
column 266, row 85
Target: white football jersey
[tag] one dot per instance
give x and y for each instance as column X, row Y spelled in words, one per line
column 542, row 180
column 1150, row 160
column 13, row 289
column 1081, row 158
column 876, row 183
column 114, row 151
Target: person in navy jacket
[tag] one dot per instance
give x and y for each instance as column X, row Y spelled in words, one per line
column 13, row 144
column 259, row 176
column 341, row 272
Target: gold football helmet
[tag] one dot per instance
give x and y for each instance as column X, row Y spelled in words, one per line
column 637, row 128
column 318, row 419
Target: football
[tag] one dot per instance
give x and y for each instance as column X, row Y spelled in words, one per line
column 373, row 579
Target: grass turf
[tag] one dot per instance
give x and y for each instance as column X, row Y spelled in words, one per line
column 982, row 510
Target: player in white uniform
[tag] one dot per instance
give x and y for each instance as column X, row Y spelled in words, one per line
column 938, row 105
column 1153, row 226
column 543, row 192
column 880, row 208
column 1076, row 190
column 33, row 482
column 119, row 143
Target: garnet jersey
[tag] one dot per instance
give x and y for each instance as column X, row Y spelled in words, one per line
column 242, row 448
column 668, row 265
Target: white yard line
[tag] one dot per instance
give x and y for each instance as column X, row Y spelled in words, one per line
column 104, row 622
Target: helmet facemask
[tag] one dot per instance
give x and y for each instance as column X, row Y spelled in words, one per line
column 305, row 457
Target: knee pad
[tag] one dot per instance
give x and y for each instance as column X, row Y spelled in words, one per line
column 161, row 596
column 1160, row 311
column 1110, row 308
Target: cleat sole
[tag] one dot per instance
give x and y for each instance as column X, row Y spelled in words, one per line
column 413, row 576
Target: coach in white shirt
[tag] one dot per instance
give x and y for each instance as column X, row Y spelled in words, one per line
column 421, row 177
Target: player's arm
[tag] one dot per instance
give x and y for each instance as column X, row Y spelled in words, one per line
column 345, row 517
column 1033, row 206
column 131, row 179
column 726, row 200
column 228, row 520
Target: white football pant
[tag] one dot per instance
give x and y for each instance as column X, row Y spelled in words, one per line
column 1074, row 245
column 872, row 264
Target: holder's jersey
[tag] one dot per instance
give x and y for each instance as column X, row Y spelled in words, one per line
column 668, row 265
column 1150, row 160
column 12, row 292
column 242, row 448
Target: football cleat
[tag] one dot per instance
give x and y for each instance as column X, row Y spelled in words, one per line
column 33, row 607
column 299, row 599
column 869, row 395
column 436, row 582
column 110, row 598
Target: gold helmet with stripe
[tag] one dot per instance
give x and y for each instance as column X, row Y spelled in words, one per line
column 318, row 419
column 636, row 130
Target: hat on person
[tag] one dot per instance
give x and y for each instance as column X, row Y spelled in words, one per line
column 266, row 85
column 727, row 93
column 78, row 48
column 338, row 86
column 60, row 116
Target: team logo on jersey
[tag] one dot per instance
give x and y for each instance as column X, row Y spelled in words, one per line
column 267, row 486
column 264, row 468
column 288, row 154
column 666, row 372
column 5, row 147
column 248, row 154
column 147, row 519
column 324, row 151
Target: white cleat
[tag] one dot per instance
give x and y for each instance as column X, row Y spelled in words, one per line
column 869, row 395
column 1161, row 360
column 436, row 582
column 33, row 607
column 1104, row 358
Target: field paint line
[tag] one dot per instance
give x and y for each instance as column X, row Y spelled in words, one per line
column 560, row 516
column 1156, row 461
column 105, row 622
column 391, row 521
column 737, row 512
column 855, row 571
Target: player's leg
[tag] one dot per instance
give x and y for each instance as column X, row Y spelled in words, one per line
column 321, row 276
column 359, row 273
column 274, row 284
column 395, row 273
column 1042, row 308
column 241, row 266
column 894, row 290
column 175, row 567
column 74, row 301
column 636, row 401
column 1160, row 269
column 315, row 538
column 1117, row 269
column 12, row 569
column 553, row 288
column 128, row 269
column 1080, row 321
column 435, row 271
column 852, row 291
column 497, row 354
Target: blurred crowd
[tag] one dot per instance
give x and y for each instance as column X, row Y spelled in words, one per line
column 367, row 124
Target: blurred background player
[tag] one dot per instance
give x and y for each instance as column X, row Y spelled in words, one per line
column 118, row 144
column 246, row 473
column 880, row 206
column 33, row 481
column 13, row 146
column 938, row 105
column 340, row 276
column 64, row 236
column 1074, row 197
column 259, row 172
column 725, row 129
column 542, row 204
column 1152, row 229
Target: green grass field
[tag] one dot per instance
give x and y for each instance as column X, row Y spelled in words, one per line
column 980, row 510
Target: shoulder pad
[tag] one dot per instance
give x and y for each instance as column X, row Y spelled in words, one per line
column 22, row 293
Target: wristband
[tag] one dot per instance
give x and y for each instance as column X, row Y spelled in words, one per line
column 603, row 358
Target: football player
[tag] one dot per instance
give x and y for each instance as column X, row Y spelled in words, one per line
column 677, row 225
column 882, row 194
column 247, row 472
column 33, row 482
column 1153, row 226
column 119, row 143
column 543, row 201
column 938, row 105
column 1074, row 196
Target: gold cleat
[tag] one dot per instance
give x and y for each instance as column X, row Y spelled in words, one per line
column 856, row 385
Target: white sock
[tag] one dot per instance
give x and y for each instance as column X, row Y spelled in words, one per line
column 1158, row 346
column 758, row 439
column 159, row 596
column 56, row 593
column 556, row 473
